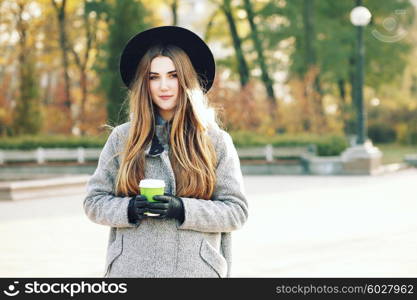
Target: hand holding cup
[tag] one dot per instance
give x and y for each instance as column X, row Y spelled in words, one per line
column 167, row 206
column 150, row 188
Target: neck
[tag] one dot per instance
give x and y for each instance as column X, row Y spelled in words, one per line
column 167, row 116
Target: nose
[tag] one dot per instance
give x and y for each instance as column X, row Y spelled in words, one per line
column 163, row 84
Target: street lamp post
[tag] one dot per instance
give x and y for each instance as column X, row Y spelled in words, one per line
column 360, row 17
column 362, row 158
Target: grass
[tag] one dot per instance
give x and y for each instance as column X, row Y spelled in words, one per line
column 394, row 153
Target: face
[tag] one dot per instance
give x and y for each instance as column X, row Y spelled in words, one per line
column 163, row 84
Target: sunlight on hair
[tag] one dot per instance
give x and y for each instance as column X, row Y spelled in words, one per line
column 199, row 102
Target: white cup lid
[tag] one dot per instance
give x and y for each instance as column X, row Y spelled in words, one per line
column 151, row 183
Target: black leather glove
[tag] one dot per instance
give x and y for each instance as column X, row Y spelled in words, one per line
column 136, row 208
column 168, row 206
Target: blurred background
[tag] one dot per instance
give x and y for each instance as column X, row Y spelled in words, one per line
column 303, row 87
column 284, row 68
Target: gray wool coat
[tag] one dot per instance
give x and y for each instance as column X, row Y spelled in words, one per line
column 199, row 247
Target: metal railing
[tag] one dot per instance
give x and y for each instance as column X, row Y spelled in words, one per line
column 42, row 155
column 81, row 155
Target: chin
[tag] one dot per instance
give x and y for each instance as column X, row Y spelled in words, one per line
column 167, row 108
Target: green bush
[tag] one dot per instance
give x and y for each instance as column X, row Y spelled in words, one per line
column 381, row 133
column 247, row 138
column 326, row 145
column 331, row 145
column 57, row 141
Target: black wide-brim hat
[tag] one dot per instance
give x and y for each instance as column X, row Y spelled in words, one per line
column 197, row 50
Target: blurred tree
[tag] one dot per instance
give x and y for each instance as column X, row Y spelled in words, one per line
column 210, row 24
column 60, row 10
column 174, row 9
column 394, row 104
column 27, row 117
column 265, row 77
column 251, row 112
column 324, row 34
column 58, row 117
column 311, row 41
column 242, row 66
column 89, row 19
column 6, row 60
column 27, row 112
column 124, row 19
column 5, row 116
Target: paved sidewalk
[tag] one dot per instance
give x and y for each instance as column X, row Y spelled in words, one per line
column 314, row 226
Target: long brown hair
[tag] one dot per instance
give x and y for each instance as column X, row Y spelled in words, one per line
column 192, row 155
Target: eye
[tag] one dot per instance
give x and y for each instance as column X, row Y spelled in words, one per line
column 174, row 75
column 153, row 77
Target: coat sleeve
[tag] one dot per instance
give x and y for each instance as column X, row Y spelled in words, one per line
column 101, row 205
column 228, row 209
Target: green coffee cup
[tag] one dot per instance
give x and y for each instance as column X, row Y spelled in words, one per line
column 151, row 187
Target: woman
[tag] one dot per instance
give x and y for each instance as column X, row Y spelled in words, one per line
column 172, row 136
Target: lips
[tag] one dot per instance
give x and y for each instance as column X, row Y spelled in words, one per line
column 165, row 97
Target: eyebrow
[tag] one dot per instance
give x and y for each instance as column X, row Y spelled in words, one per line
column 174, row 71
